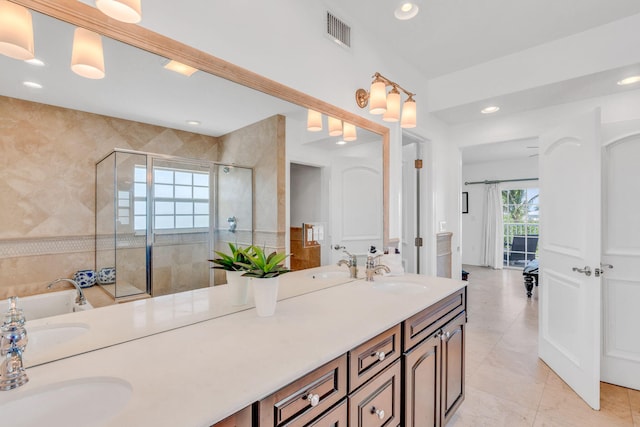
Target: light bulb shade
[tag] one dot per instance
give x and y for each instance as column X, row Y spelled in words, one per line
column 349, row 132
column 335, row 126
column 87, row 59
column 409, row 114
column 393, row 107
column 129, row 11
column 16, row 31
column 378, row 97
column 314, row 121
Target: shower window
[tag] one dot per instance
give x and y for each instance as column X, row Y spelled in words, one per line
column 181, row 199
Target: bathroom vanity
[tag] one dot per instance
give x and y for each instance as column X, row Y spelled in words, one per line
column 388, row 352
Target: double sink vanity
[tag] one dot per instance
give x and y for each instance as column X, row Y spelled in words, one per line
column 383, row 353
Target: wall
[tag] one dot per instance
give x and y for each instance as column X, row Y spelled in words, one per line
column 472, row 222
column 47, row 185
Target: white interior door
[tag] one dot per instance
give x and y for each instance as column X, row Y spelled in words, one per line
column 410, row 199
column 621, row 250
column 569, row 333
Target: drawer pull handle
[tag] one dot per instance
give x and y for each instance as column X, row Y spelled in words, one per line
column 379, row 355
column 313, row 399
column 378, row 412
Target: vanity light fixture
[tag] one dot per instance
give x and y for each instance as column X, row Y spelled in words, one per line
column 87, row 59
column 32, row 85
column 406, row 9
column 180, row 68
column 129, row 11
column 490, row 109
column 629, row 81
column 349, row 132
column 335, row 126
column 16, row 31
column 314, row 121
column 389, row 105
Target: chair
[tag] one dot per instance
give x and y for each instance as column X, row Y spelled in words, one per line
column 521, row 249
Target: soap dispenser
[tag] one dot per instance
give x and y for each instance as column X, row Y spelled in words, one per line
column 13, row 341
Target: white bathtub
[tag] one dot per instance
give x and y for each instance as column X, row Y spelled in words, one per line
column 47, row 304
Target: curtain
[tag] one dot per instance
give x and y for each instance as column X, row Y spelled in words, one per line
column 493, row 230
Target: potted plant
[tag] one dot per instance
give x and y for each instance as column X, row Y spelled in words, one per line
column 264, row 271
column 235, row 265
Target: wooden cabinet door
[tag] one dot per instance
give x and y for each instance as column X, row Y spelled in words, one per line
column 377, row 403
column 453, row 347
column 422, row 384
column 239, row 419
column 337, row 417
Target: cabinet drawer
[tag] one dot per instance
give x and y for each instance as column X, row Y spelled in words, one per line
column 305, row 399
column 239, row 419
column 337, row 417
column 373, row 356
column 429, row 320
column 378, row 402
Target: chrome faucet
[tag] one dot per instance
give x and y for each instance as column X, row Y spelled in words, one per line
column 374, row 268
column 13, row 341
column 81, row 300
column 352, row 263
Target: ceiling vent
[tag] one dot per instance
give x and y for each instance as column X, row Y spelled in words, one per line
column 338, row 31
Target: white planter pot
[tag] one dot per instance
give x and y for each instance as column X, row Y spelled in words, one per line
column 265, row 295
column 239, row 287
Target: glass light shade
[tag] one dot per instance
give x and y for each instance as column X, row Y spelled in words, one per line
column 349, row 132
column 314, row 121
column 87, row 59
column 16, row 31
column 378, row 97
column 393, row 106
column 129, row 11
column 409, row 114
column 335, row 126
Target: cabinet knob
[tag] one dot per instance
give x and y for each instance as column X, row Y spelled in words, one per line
column 378, row 413
column 313, row 399
column 379, row 355
column 445, row 336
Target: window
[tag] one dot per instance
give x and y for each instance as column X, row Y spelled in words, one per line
column 181, row 199
column 521, row 225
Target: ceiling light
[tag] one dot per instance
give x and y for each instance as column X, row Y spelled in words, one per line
column 490, row 110
column 180, row 68
column 32, row 85
column 87, row 59
column 335, row 126
column 629, row 81
column 16, row 31
column 193, row 122
column 128, row 11
column 314, row 121
column 341, row 142
column 388, row 104
column 406, row 10
column 35, row 61
column 349, row 132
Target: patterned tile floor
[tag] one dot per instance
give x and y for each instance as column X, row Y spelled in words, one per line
column 506, row 383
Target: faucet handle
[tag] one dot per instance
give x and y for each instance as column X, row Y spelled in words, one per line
column 15, row 315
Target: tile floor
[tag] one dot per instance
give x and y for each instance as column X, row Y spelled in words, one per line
column 506, row 383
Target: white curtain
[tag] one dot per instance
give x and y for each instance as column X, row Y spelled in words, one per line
column 493, row 231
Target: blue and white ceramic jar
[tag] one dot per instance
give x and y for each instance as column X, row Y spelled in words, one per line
column 85, row 278
column 107, row 275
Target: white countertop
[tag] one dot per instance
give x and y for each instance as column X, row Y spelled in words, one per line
column 199, row 374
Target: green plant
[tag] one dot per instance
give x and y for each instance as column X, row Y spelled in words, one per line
column 261, row 266
column 237, row 261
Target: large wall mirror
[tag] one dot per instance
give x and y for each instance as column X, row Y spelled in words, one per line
column 334, row 194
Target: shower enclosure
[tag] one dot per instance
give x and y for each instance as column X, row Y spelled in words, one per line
column 159, row 218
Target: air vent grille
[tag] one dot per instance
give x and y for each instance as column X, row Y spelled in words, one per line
column 338, row 30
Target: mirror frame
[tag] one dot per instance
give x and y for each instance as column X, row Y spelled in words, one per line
column 82, row 15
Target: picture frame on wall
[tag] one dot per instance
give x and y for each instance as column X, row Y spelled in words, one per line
column 465, row 202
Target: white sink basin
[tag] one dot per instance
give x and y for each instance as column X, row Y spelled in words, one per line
column 44, row 338
column 87, row 402
column 399, row 287
column 327, row 275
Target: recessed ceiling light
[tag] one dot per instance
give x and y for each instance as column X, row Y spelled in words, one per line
column 32, row 85
column 406, row 10
column 181, row 68
column 341, row 142
column 489, row 110
column 193, row 122
column 35, row 61
column 629, row 81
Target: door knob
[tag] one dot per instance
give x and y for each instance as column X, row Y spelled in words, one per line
column 600, row 271
column 586, row 270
